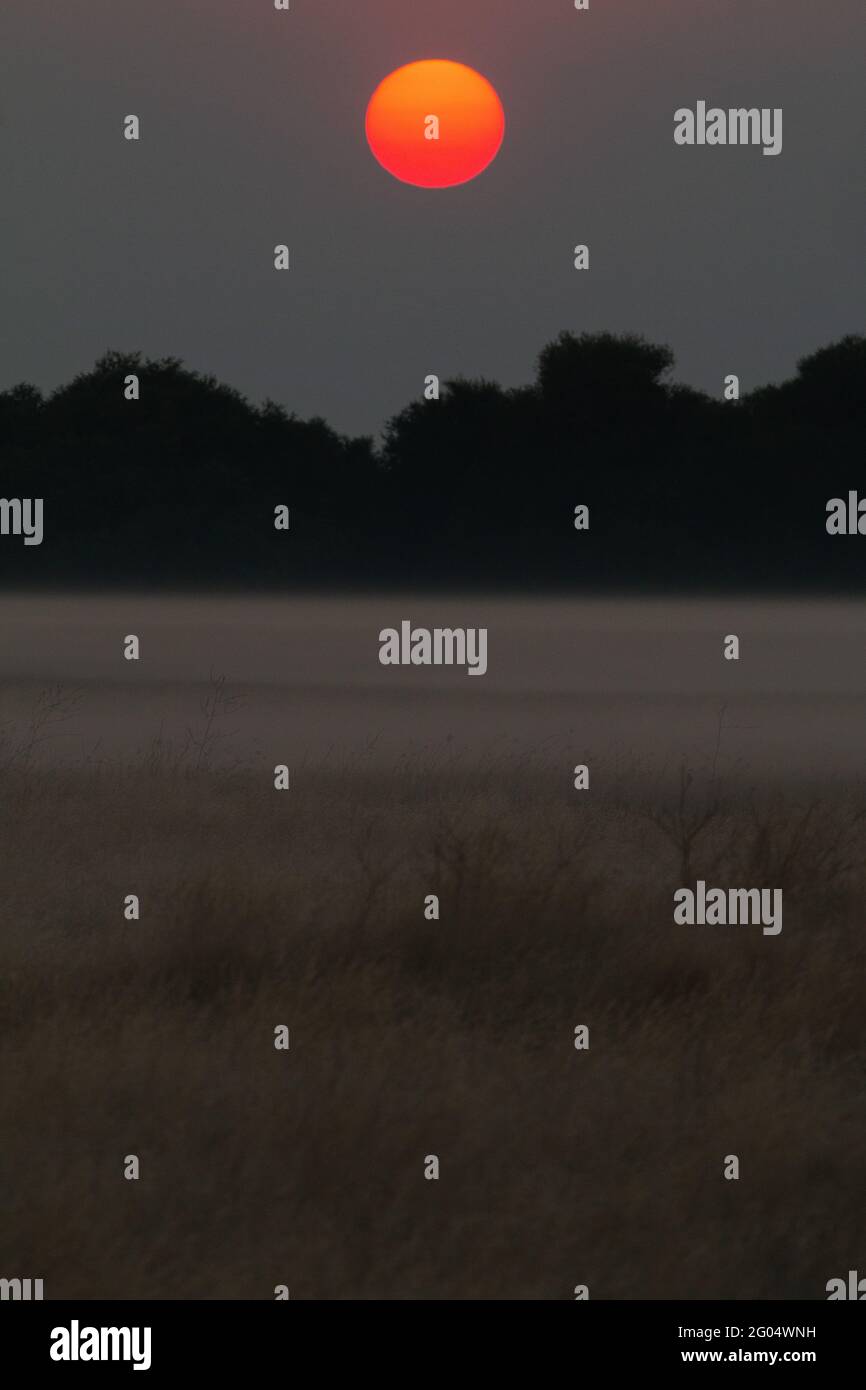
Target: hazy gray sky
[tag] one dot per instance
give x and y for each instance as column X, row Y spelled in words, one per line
column 253, row 134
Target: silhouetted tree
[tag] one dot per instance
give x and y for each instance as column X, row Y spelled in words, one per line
column 684, row 490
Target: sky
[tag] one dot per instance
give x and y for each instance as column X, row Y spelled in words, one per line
column 253, row 135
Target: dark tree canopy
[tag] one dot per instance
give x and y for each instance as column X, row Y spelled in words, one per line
column 685, row 490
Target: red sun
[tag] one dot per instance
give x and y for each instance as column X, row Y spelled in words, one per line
column 435, row 124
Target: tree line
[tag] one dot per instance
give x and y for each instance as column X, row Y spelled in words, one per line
column 682, row 491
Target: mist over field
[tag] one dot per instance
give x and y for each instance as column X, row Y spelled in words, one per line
column 608, row 679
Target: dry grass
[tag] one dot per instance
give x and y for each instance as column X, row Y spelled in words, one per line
column 412, row 1037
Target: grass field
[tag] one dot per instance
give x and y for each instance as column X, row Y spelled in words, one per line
column 412, row 1037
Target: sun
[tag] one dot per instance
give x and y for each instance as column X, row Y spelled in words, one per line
column 435, row 123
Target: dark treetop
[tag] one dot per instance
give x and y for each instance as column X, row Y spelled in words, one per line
column 685, row 492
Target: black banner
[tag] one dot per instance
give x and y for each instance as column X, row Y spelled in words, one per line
column 225, row 1339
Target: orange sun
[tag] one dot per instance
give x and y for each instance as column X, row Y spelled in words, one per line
column 435, row 124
